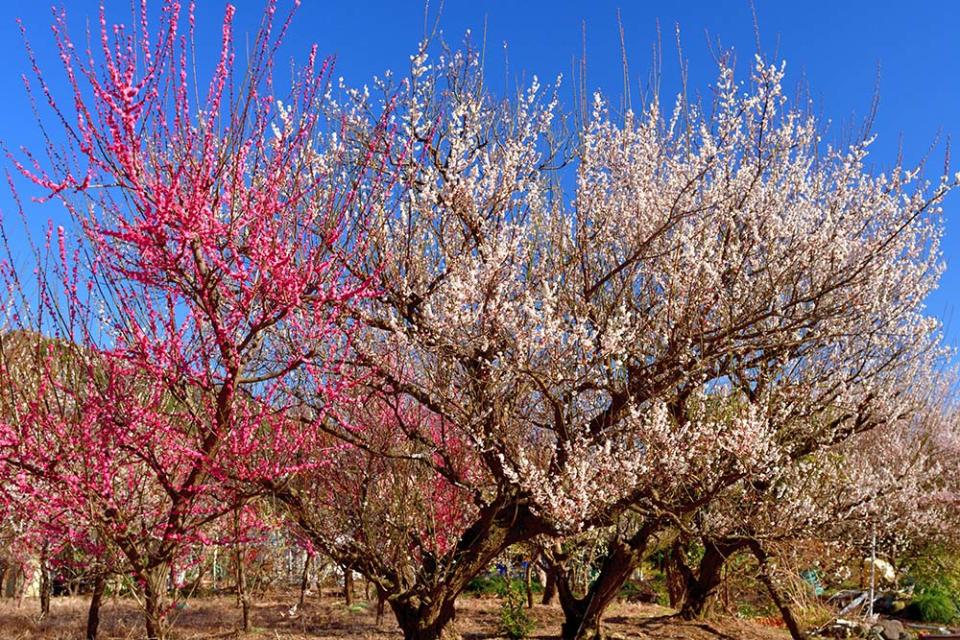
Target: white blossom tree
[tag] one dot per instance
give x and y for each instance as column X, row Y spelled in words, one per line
column 579, row 337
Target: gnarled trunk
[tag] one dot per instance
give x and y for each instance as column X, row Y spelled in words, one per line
column 425, row 610
column 423, row 600
column 581, row 621
column 674, row 569
column 425, row 620
column 583, row 615
column 699, row 589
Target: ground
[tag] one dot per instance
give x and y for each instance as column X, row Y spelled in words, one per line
column 328, row 619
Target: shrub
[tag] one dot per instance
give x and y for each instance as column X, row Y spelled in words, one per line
column 935, row 576
column 515, row 621
column 934, row 605
column 493, row 585
column 640, row 591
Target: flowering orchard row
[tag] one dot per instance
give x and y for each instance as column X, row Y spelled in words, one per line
column 428, row 323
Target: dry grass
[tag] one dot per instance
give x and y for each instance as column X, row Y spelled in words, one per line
column 328, row 619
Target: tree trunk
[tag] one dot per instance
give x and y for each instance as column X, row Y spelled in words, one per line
column 381, row 603
column 93, row 613
column 304, row 579
column 583, row 615
column 348, row 586
column 243, row 598
column 154, row 613
column 244, row 603
column 528, row 583
column 701, row 588
column 431, row 620
column 582, row 622
column 425, row 611
column 587, row 627
column 725, row 589
column 676, row 572
column 424, row 608
column 213, row 578
column 318, row 579
column 767, row 579
column 549, row 588
column 14, row 576
column 44, row 583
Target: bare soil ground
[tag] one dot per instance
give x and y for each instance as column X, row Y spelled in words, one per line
column 217, row 618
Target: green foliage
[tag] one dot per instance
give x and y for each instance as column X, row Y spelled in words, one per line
column 486, row 585
column 492, row 585
column 658, row 581
column 631, row 590
column 935, row 566
column 934, row 605
column 648, row 591
column 746, row 609
column 935, row 575
column 483, row 585
column 515, row 621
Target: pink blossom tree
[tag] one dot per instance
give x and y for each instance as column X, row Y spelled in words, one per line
column 36, row 370
column 207, row 262
column 393, row 503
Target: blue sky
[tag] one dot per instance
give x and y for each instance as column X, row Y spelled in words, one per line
column 834, row 47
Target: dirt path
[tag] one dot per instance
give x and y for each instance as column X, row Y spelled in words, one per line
column 217, row 618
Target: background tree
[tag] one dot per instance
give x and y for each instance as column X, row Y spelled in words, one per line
column 374, row 506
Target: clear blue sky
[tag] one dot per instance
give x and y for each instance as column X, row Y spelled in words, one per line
column 834, row 45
